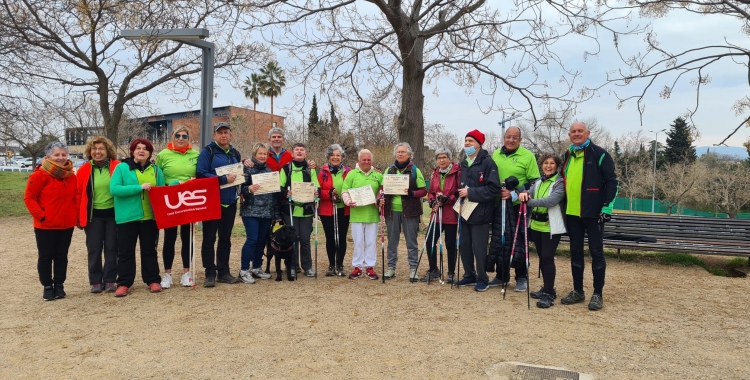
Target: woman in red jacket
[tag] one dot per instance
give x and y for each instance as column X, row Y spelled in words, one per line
column 96, row 213
column 51, row 199
column 442, row 194
column 331, row 178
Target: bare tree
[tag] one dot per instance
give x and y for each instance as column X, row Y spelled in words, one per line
column 374, row 124
column 55, row 46
column 30, row 127
column 408, row 45
column 729, row 189
column 635, row 179
column 675, row 183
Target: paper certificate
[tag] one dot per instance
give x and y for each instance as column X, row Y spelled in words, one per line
column 231, row 169
column 395, row 184
column 268, row 182
column 362, row 196
column 466, row 209
column 303, row 192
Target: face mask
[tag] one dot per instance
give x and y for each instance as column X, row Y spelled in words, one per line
column 470, row 150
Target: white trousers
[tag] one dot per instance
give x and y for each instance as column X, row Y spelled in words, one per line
column 365, row 236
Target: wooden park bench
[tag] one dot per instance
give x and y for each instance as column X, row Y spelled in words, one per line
column 687, row 234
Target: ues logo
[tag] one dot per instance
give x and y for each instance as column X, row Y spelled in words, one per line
column 186, row 198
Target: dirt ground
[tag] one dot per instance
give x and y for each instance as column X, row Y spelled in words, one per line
column 658, row 322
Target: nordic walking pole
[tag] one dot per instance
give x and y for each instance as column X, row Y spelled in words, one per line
column 432, row 244
column 430, row 227
column 335, row 234
column 458, row 243
column 440, row 211
column 316, row 237
column 512, row 252
column 382, row 236
column 526, row 243
column 192, row 254
column 295, row 252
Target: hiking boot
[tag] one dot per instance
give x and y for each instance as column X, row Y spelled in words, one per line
column 545, row 300
column 480, row 287
column 110, row 287
column 331, row 271
column 309, row 273
column 371, row 273
column 340, row 272
column 154, row 287
column 49, row 293
column 186, row 279
column 166, row 281
column 96, row 288
column 537, row 295
column 246, row 276
column 356, row 273
column 496, row 282
column 227, row 279
column 210, row 282
column 596, row 302
column 467, row 282
column 121, row 291
column 431, row 276
column 521, row 285
column 390, row 273
column 59, row 291
column 573, row 297
column 413, row 275
column 449, row 278
column 259, row 273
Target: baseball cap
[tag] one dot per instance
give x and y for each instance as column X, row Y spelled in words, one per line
column 220, row 125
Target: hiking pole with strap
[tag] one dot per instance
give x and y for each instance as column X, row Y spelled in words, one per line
column 458, row 243
column 291, row 223
column 512, row 253
column 316, row 237
column 335, row 235
column 430, row 227
column 432, row 244
column 440, row 211
column 382, row 235
column 192, row 254
column 526, row 244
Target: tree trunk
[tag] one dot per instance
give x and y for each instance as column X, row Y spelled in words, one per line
column 410, row 124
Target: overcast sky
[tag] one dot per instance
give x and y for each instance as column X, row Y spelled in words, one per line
column 715, row 119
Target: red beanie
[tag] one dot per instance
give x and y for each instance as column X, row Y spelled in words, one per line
column 149, row 147
column 476, row 135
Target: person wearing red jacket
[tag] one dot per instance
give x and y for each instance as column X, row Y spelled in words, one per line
column 52, row 199
column 331, row 178
column 277, row 155
column 96, row 212
column 443, row 194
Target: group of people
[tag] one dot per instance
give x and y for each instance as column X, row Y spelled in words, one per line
column 490, row 191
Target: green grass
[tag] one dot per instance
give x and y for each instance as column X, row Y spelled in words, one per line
column 12, row 187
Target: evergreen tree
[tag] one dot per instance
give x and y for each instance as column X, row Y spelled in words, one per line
column 334, row 126
column 679, row 143
column 313, row 122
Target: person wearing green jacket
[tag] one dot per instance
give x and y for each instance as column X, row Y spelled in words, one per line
column 131, row 181
column 178, row 163
column 301, row 213
column 363, row 218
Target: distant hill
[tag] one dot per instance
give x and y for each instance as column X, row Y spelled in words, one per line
column 733, row 151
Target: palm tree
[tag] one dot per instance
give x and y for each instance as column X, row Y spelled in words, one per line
column 272, row 81
column 252, row 89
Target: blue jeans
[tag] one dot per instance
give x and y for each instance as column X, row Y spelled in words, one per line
column 256, row 230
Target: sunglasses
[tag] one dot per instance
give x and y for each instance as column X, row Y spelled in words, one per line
column 179, row 136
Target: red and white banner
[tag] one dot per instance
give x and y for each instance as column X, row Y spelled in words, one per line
column 193, row 201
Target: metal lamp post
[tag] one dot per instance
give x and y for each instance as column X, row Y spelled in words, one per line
column 192, row 37
column 653, row 183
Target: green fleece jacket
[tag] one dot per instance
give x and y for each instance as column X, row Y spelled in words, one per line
column 127, row 191
column 177, row 167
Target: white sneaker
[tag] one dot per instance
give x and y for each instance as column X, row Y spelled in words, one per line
column 259, row 273
column 166, row 281
column 187, row 279
column 246, row 276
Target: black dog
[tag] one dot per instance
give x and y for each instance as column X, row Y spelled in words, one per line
column 280, row 245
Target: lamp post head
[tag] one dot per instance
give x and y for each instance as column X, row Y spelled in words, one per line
column 165, row 34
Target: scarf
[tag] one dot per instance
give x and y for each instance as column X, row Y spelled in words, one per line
column 508, row 152
column 401, row 166
column 447, row 169
column 57, row 171
column 302, row 164
column 334, row 169
column 574, row 147
column 544, row 177
column 258, row 165
column 171, row 146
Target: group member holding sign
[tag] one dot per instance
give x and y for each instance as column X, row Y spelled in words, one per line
column 219, row 154
column 130, row 183
column 96, row 214
column 51, row 199
column 331, row 178
column 404, row 186
column 480, row 184
column 259, row 208
column 299, row 184
column 178, row 163
column 442, row 196
column 358, row 192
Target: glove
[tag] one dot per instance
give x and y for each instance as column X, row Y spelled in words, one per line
column 432, row 204
column 410, row 192
column 443, row 199
column 604, row 218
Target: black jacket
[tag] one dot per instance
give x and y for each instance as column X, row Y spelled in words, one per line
column 599, row 185
column 484, row 186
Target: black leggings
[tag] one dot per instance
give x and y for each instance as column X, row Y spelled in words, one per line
column 546, row 246
column 328, row 229
column 170, row 237
column 449, row 233
column 53, row 255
